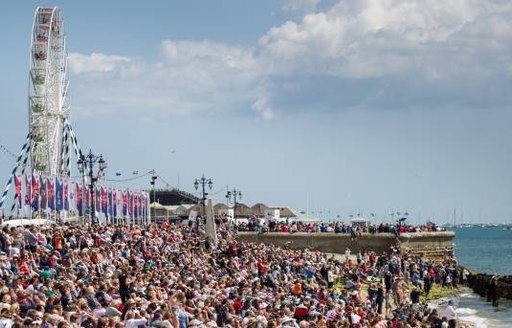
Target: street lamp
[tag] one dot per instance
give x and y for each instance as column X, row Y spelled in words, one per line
column 85, row 166
column 234, row 194
column 203, row 182
column 153, row 179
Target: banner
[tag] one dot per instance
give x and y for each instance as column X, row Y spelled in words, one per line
column 124, row 204
column 145, row 206
column 17, row 190
column 43, row 192
column 58, row 195
column 79, row 194
column 65, row 195
column 86, row 199
column 72, row 196
column 135, row 205
column 130, row 204
column 114, row 202
column 142, row 205
column 35, row 192
column 104, row 200
column 192, row 215
column 97, row 200
column 110, row 203
column 51, row 193
column 28, row 189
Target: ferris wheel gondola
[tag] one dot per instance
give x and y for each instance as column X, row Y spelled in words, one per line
column 48, row 105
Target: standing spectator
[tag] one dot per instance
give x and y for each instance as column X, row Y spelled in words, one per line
column 451, row 315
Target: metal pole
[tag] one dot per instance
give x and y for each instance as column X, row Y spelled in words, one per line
column 204, row 196
column 154, row 204
column 92, row 200
column 85, row 164
column 203, row 182
column 153, row 182
column 91, row 188
column 234, row 203
column 235, row 194
column 84, row 193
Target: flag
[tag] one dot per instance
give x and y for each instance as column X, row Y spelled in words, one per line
column 65, row 195
column 109, row 201
column 130, row 203
column 140, row 205
column 58, row 193
column 135, row 206
column 97, row 200
column 51, row 193
column 104, row 200
column 86, row 199
column 144, row 205
column 17, row 190
column 79, row 200
column 35, row 192
column 114, row 202
column 124, row 206
column 43, row 192
column 28, row 189
column 72, row 196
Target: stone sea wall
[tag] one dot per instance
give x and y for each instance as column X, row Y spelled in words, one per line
column 431, row 244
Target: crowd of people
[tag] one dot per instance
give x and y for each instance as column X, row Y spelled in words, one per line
column 173, row 275
column 255, row 224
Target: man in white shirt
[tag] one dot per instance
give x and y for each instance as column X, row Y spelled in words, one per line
column 465, row 274
column 451, row 315
column 5, row 318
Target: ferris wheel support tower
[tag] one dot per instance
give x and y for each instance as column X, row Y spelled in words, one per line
column 48, row 88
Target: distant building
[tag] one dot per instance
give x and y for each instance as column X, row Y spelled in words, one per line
column 178, row 203
column 173, row 197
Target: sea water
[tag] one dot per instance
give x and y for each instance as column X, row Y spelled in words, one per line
column 483, row 250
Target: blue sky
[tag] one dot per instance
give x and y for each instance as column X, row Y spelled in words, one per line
column 335, row 106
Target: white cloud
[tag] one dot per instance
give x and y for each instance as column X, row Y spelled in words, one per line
column 262, row 106
column 193, row 77
column 433, row 52
column 297, row 8
column 375, row 38
column 95, row 62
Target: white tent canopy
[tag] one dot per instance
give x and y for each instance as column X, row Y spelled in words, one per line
column 359, row 222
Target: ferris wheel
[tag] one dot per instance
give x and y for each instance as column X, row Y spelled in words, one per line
column 47, row 99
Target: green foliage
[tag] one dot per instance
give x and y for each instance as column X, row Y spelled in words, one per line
column 437, row 292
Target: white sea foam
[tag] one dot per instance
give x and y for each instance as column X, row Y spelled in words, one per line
column 465, row 311
column 480, row 322
column 476, row 321
column 475, row 311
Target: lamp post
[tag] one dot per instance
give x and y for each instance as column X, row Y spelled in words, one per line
column 203, row 182
column 153, row 180
column 86, row 166
column 234, row 194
